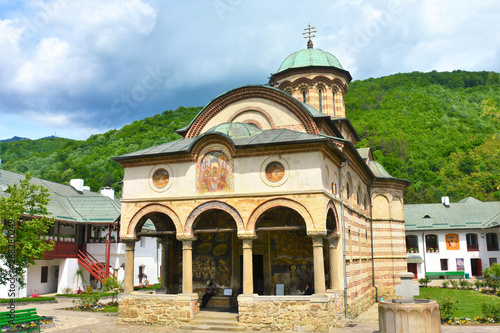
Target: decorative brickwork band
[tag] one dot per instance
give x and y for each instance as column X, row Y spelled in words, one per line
column 209, row 206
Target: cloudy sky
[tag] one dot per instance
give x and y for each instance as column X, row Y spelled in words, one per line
column 75, row 68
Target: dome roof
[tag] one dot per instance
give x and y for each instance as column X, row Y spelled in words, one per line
column 309, row 57
column 235, row 129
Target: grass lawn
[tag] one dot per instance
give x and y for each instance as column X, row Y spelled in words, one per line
column 28, row 299
column 468, row 301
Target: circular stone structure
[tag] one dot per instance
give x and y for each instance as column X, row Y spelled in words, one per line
column 422, row 316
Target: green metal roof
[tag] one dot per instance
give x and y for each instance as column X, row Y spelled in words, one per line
column 378, row 170
column 309, row 57
column 234, row 130
column 252, row 137
column 67, row 204
column 468, row 213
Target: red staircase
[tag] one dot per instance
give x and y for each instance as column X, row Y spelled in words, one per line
column 94, row 267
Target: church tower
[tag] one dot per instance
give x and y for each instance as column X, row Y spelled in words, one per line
column 315, row 77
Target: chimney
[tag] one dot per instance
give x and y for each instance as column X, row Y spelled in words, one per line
column 77, row 184
column 86, row 188
column 445, row 201
column 108, row 192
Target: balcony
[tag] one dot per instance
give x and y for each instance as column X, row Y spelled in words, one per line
column 62, row 250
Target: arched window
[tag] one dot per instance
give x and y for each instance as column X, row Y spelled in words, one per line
column 412, row 244
column 304, row 96
column 320, row 93
column 358, row 196
column 334, row 113
column 431, row 243
column 348, row 190
column 472, row 244
column 491, row 242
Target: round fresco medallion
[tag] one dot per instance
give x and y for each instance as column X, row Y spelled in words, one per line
column 205, row 237
column 205, row 247
column 222, row 237
column 275, row 171
column 220, row 249
column 160, row 178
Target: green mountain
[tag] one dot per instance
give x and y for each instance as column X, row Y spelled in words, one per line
column 438, row 130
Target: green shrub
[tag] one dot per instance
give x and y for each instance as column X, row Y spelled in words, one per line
column 445, row 283
column 423, row 282
column 491, row 310
column 478, row 284
column 454, row 284
column 447, row 307
column 88, row 298
column 111, row 283
column 464, row 284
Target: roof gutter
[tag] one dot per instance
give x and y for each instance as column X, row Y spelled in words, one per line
column 344, row 267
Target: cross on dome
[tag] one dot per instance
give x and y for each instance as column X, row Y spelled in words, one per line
column 309, row 31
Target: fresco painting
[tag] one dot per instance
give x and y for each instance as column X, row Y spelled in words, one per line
column 215, row 173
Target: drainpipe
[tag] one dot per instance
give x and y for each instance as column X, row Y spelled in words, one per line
column 343, row 234
column 371, row 239
column 423, row 251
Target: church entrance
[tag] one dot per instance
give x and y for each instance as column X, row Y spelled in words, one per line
column 214, row 252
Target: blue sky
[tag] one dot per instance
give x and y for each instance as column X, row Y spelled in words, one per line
column 76, row 68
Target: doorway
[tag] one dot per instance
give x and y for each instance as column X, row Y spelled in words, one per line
column 476, row 267
column 258, row 273
column 412, row 268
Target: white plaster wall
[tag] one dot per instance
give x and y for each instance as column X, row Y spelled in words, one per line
column 432, row 260
column 67, row 269
column 247, row 177
column 19, row 292
column 35, row 274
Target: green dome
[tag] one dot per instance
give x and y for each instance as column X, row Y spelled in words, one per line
column 309, row 57
column 236, row 129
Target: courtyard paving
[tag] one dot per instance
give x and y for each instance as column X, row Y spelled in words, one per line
column 92, row 322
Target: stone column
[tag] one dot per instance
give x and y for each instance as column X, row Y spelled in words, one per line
column 128, row 286
column 335, row 263
column 164, row 262
column 319, row 265
column 187, row 263
column 247, row 267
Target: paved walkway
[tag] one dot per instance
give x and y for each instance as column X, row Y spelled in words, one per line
column 92, row 322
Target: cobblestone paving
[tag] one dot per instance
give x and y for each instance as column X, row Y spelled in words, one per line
column 91, row 322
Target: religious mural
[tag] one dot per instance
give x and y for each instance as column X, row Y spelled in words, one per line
column 212, row 251
column 160, row 178
column 275, row 171
column 215, row 173
column 292, row 260
column 452, row 242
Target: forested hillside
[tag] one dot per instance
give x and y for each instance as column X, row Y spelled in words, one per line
column 438, row 130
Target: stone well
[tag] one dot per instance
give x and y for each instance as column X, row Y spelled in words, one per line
column 422, row 316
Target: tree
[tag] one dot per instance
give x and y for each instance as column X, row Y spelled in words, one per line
column 23, row 218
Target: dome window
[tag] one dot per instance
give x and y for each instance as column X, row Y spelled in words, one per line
column 320, row 93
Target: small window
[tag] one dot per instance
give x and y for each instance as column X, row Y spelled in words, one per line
column 472, row 244
column 303, row 96
column 491, row 242
column 411, row 244
column 333, row 103
column 358, row 197
column 493, row 261
column 444, row 264
column 348, row 190
column 320, row 93
column 45, row 274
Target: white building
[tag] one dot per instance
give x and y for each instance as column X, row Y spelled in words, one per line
column 446, row 237
column 83, row 223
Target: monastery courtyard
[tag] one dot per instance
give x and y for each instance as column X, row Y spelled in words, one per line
column 91, row 322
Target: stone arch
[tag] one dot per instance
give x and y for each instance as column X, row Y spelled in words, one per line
column 380, row 209
column 188, row 227
column 250, row 227
column 263, row 112
column 331, row 207
column 149, row 209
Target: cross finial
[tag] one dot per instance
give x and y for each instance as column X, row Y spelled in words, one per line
column 309, row 31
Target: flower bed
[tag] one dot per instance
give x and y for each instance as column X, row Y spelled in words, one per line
column 97, row 307
column 463, row 321
column 46, row 322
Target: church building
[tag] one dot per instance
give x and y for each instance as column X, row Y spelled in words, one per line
column 264, row 195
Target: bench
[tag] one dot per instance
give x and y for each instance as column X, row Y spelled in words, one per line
column 442, row 275
column 15, row 317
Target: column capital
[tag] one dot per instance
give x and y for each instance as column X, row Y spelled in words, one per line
column 316, row 233
column 129, row 239
column 247, row 235
column 186, row 237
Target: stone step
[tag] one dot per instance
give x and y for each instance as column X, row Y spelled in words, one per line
column 212, row 328
column 213, row 322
